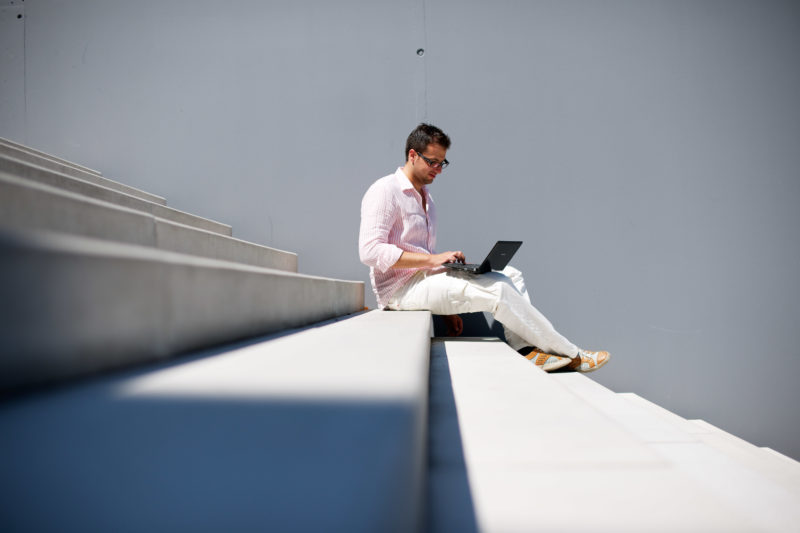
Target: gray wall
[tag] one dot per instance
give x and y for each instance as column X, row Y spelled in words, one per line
column 646, row 152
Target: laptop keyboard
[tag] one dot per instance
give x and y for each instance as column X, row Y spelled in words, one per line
column 462, row 266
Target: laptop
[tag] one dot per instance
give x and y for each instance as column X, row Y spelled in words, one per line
column 497, row 259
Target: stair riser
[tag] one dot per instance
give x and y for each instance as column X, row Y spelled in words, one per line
column 68, row 313
column 74, row 171
column 34, row 206
column 33, row 151
column 54, row 179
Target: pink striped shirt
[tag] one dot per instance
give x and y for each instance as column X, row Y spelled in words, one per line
column 393, row 221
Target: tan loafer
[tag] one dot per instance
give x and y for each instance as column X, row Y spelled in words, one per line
column 588, row 361
column 546, row 361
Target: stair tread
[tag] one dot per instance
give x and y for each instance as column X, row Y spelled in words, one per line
column 315, row 429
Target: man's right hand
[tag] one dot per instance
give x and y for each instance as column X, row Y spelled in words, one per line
column 419, row 260
column 447, row 257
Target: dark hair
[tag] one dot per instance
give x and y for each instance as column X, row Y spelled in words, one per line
column 423, row 135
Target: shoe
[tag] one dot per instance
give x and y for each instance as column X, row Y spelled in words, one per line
column 588, row 361
column 545, row 361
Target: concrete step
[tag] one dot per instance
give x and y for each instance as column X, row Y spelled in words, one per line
column 315, row 430
column 788, row 461
column 34, row 151
column 28, row 171
column 778, row 468
column 774, row 465
column 74, row 305
column 512, row 449
column 637, row 421
column 35, row 157
column 29, row 205
column 744, row 479
column 665, row 414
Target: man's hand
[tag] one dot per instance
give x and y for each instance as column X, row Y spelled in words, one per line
column 447, row 257
column 455, row 326
column 418, row 260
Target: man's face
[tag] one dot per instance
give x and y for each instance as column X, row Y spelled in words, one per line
column 423, row 172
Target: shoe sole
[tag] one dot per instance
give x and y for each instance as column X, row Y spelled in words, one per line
column 598, row 365
column 550, row 367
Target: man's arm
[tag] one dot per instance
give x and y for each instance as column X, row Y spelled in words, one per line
column 418, row 260
column 378, row 212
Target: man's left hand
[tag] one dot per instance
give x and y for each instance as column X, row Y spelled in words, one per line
column 455, row 326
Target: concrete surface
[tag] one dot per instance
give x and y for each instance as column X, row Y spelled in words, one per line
column 185, row 239
column 772, row 464
column 74, row 305
column 26, row 204
column 742, row 475
column 515, row 449
column 39, row 174
column 37, row 158
column 12, row 144
column 320, row 429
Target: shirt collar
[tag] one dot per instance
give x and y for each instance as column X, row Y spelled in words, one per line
column 405, row 183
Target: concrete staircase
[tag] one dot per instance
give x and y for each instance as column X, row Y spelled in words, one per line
column 99, row 275
column 515, row 449
column 13, row 150
column 158, row 374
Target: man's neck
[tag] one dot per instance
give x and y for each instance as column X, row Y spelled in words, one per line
column 408, row 171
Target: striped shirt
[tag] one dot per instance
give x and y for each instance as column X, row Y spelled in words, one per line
column 393, row 221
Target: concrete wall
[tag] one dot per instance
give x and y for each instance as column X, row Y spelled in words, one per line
column 646, row 152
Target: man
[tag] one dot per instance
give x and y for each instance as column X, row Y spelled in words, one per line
column 397, row 241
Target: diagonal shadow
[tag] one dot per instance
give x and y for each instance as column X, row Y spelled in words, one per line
column 450, row 506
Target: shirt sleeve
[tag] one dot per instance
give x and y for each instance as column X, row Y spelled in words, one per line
column 378, row 213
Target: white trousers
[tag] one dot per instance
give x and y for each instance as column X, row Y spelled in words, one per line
column 503, row 294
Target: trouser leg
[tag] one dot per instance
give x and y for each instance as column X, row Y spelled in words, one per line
column 514, row 340
column 504, row 296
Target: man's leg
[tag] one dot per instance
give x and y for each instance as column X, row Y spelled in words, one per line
column 586, row 362
column 514, row 340
column 494, row 292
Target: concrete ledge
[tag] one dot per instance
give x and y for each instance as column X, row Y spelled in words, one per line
column 184, row 239
column 317, row 430
column 788, row 461
column 740, row 476
column 772, row 465
column 29, row 205
column 28, row 155
column 73, row 305
column 28, row 171
column 537, row 457
column 34, row 151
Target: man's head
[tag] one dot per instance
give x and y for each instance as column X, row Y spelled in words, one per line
column 426, row 147
column 423, row 135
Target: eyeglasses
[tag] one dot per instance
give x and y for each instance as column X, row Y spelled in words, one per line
column 432, row 164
